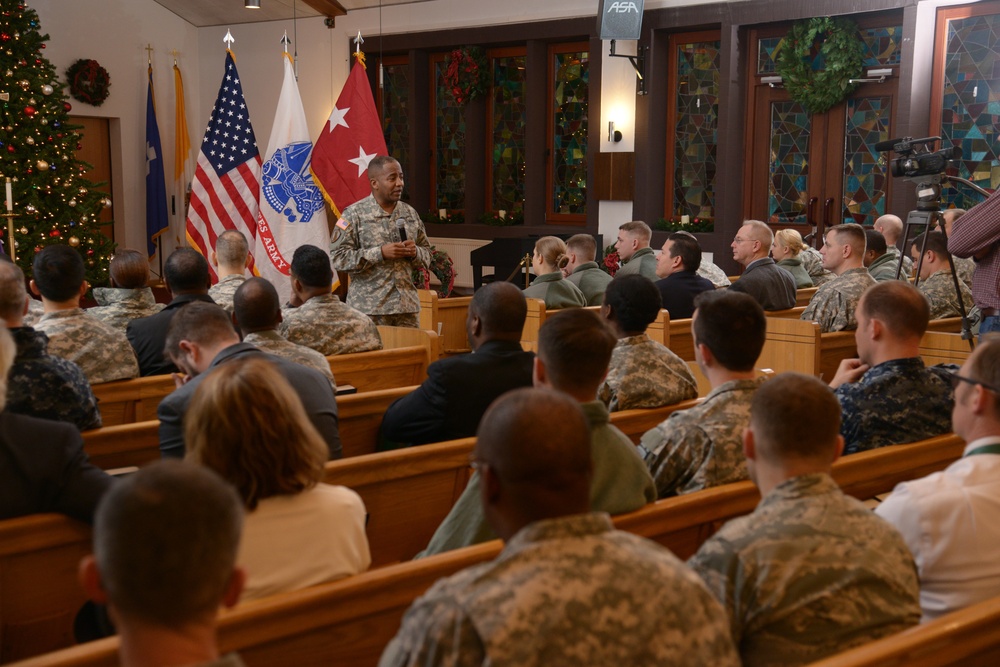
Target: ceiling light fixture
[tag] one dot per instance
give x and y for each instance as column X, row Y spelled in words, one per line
column 251, row 4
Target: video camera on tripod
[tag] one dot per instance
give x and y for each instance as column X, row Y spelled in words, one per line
column 916, row 157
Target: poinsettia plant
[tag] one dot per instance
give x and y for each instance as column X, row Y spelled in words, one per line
column 611, row 262
column 443, row 269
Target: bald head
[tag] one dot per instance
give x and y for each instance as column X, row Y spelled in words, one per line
column 231, row 251
column 256, row 306
column 497, row 312
column 890, row 226
column 535, row 447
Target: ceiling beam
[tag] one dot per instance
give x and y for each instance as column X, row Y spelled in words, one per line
column 329, row 8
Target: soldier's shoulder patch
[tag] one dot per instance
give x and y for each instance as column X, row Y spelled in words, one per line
column 343, row 224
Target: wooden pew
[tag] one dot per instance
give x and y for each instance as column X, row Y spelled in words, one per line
column 382, row 369
column 798, row 345
column 361, row 417
column 791, row 313
column 946, row 325
column 680, row 338
column 944, row 348
column 804, row 295
column 128, row 401
column 350, row 621
column 659, row 330
column 396, row 337
column 967, row 637
column 446, row 317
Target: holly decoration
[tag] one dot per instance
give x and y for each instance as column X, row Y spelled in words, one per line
column 88, row 82
column 836, row 39
column 39, row 153
column 466, row 76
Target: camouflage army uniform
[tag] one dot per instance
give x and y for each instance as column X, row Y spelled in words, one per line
column 714, row 274
column 645, row 374
column 102, row 352
column 701, row 447
column 223, row 291
column 330, row 326
column 939, row 288
column 118, row 306
column 964, row 267
column 46, row 386
column 812, row 262
column 833, row 304
column 810, row 573
column 567, row 591
column 907, row 260
column 643, row 263
column 35, row 312
column 272, row 342
column 895, row 402
column 592, row 282
column 379, row 286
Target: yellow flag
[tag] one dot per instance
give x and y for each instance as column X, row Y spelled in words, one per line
column 182, row 160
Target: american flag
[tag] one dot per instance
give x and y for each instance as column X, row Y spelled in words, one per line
column 226, row 182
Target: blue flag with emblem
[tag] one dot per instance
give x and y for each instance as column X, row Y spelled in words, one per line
column 157, row 222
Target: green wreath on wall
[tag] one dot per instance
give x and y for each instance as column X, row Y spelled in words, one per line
column 843, row 55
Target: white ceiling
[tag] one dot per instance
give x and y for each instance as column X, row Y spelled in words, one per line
column 203, row 13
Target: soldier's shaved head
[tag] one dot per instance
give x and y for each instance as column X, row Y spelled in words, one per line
column 256, row 306
column 780, row 431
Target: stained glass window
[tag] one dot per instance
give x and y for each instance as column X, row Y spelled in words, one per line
column 569, row 144
column 395, row 113
column 788, row 167
column 508, row 133
column 767, row 54
column 449, row 144
column 971, row 103
column 865, row 177
column 696, row 129
column 882, row 49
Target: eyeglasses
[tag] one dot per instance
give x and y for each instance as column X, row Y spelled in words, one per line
column 739, row 240
column 956, row 378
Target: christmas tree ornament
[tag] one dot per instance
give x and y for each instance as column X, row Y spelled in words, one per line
column 72, row 202
column 30, row 141
column 74, row 241
column 29, row 111
column 47, row 89
column 42, row 164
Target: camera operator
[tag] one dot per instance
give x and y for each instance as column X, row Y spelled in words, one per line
column 977, row 235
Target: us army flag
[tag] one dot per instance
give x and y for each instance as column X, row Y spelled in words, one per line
column 292, row 211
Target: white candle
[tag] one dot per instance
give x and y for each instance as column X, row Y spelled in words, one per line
column 503, row 214
column 685, row 219
column 442, row 213
column 10, row 197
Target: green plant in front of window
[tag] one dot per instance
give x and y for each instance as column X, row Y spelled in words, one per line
column 836, row 40
column 697, row 225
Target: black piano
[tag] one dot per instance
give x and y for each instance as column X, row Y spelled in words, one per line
column 504, row 254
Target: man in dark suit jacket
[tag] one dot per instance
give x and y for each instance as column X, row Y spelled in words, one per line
column 677, row 267
column 201, row 337
column 187, row 278
column 765, row 281
column 458, row 390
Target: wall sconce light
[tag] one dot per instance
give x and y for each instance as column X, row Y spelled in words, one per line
column 251, row 4
column 613, row 134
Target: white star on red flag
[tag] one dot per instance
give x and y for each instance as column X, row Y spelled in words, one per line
column 362, row 160
column 337, row 118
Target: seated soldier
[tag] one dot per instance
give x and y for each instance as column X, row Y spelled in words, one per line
column 41, row 384
column 457, row 391
column 322, row 321
column 891, row 227
column 936, row 278
column 812, row 262
column 833, row 304
column 642, row 373
column 700, row 447
column 765, row 281
column 230, row 259
column 880, row 263
column 574, row 348
column 633, row 250
column 583, row 270
column 101, row 351
column 43, row 467
column 164, row 562
column 257, row 314
column 129, row 296
column 887, row 395
column 567, row 589
column 948, row 519
column 811, row 572
column 679, row 282
column 200, row 338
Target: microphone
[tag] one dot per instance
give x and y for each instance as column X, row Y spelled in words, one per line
column 887, row 145
column 401, row 228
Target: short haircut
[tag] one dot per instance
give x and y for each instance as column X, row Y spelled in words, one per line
column 985, row 366
column 12, row 292
column 936, row 241
column 875, row 242
column 186, row 271
column 256, row 305
column 583, row 245
column 129, row 269
column 378, row 164
column 311, row 266
column 733, row 327
column 759, row 231
column 638, row 228
column 500, row 307
column 794, row 416
column 891, row 226
column 575, row 345
column 791, row 239
column 898, row 304
column 687, row 248
column 58, row 272
column 199, row 322
column 263, row 453
column 539, row 441
column 8, row 351
column 635, row 301
column 852, row 234
column 165, row 542
column 552, row 250
column 231, row 247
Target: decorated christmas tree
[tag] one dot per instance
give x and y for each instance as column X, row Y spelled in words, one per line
column 52, row 201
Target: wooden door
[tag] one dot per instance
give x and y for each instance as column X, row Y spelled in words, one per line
column 95, row 150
